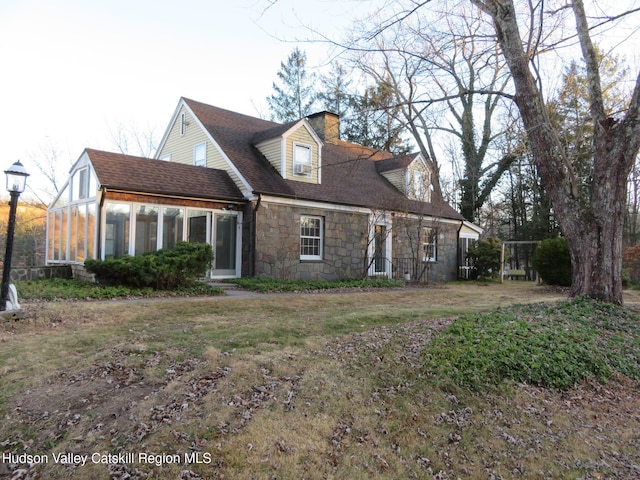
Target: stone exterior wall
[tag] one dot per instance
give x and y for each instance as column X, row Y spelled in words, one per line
column 277, row 245
column 75, row 271
column 80, row 273
column 445, row 267
column 277, row 253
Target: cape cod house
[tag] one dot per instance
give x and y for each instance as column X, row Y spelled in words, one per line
column 279, row 200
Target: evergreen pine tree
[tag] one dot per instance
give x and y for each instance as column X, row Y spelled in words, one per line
column 293, row 98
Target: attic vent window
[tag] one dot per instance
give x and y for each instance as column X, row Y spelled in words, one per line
column 302, row 160
column 183, row 123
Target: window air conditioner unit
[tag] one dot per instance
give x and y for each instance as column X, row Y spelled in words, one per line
column 302, row 169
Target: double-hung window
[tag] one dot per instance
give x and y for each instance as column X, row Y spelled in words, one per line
column 429, row 244
column 311, row 238
column 419, row 185
column 200, row 155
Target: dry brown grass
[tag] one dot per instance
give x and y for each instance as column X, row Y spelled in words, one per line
column 312, row 386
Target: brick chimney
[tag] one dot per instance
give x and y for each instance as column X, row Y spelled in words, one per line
column 326, row 125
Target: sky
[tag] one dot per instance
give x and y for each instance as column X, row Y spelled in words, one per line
column 75, row 72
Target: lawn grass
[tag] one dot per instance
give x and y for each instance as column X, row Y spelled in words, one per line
column 318, row 386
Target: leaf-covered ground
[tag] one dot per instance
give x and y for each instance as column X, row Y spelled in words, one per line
column 350, row 405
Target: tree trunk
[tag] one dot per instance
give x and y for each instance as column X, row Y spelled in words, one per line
column 596, row 259
column 589, row 211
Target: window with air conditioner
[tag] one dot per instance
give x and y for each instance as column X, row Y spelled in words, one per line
column 302, row 160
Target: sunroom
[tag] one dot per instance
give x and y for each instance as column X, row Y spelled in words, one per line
column 116, row 205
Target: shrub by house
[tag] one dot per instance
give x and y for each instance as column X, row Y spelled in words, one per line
column 164, row 269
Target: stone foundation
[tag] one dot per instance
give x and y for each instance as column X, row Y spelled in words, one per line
column 39, row 273
column 79, row 273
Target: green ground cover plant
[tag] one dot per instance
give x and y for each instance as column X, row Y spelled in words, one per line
column 554, row 346
column 270, row 285
column 69, row 289
column 65, row 289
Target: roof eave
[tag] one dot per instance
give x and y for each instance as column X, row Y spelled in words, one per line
column 176, row 195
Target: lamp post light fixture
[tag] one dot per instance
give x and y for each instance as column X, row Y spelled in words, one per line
column 16, row 184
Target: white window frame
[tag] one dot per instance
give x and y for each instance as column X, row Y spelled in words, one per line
column 385, row 240
column 307, row 162
column 383, row 219
column 426, row 243
column 419, row 185
column 319, row 237
column 183, row 123
column 197, row 148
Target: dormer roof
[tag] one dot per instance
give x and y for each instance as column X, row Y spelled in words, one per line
column 271, row 133
column 350, row 173
column 395, row 163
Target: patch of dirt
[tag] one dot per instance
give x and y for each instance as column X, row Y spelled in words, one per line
column 111, row 404
column 114, row 406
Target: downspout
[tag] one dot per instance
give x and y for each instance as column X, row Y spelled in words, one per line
column 252, row 236
column 458, row 251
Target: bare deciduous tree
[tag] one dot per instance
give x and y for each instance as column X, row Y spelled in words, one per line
column 593, row 228
column 131, row 140
column 448, row 80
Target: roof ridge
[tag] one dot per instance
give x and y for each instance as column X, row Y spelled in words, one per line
column 190, row 101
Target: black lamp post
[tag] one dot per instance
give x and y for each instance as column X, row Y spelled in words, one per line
column 16, row 183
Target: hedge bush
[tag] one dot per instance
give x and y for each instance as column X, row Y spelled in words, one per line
column 485, row 257
column 552, row 261
column 164, row 269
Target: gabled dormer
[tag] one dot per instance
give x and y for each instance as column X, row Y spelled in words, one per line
column 294, row 150
column 410, row 174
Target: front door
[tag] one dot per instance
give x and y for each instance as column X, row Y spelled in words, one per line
column 225, row 245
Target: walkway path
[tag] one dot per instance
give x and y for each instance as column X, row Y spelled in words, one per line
column 232, row 290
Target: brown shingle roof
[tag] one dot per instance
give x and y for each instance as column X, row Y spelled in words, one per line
column 235, row 133
column 349, row 173
column 274, row 132
column 143, row 175
column 395, row 163
column 350, row 177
